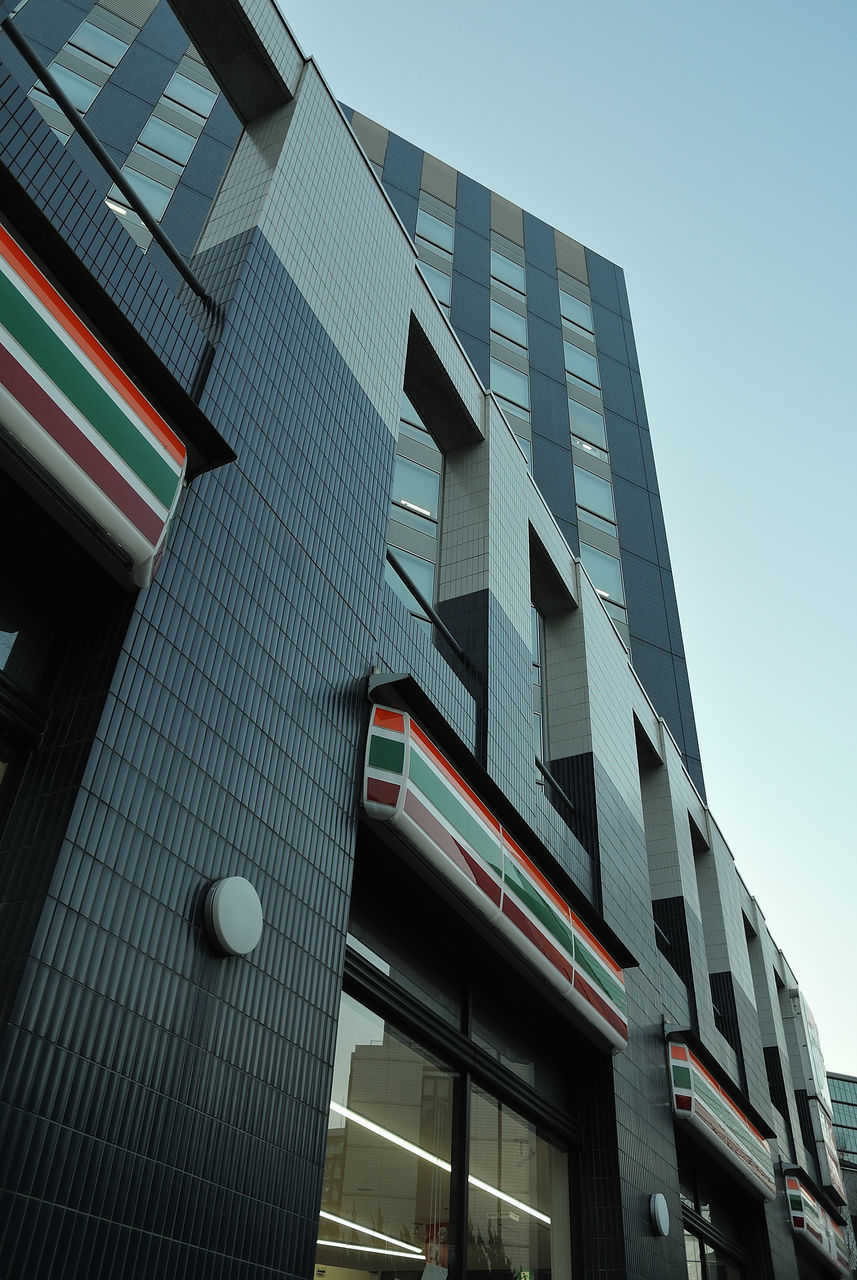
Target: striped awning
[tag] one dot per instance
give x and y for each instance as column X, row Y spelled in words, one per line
column 79, row 423
column 409, row 784
column 812, row 1223
column 707, row 1108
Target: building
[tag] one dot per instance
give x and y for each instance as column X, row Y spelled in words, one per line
column 843, row 1098
column 362, row 909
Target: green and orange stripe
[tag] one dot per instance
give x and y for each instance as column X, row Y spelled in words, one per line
column 73, row 412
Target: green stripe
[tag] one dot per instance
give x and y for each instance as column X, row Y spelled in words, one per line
column 681, row 1076
column 524, row 889
column 734, row 1123
column 458, row 815
column 90, row 399
column 387, row 753
column 600, row 975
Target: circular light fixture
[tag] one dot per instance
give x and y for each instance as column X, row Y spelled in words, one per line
column 659, row 1214
column 233, row 915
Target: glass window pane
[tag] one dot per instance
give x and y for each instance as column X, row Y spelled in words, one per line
column 421, row 573
column 510, row 383
column 693, row 1256
column 581, row 363
column 169, row 141
column 435, row 230
column 510, row 273
column 594, row 493
column 385, row 1198
column 575, row 311
column 509, row 323
column 605, row 572
column 154, row 195
column 439, row 283
column 416, row 495
column 517, row 1196
column 80, row 92
column 99, row 44
column 191, row 95
column 587, row 424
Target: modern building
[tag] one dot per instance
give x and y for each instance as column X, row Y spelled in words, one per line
column 843, row 1098
column 363, row 914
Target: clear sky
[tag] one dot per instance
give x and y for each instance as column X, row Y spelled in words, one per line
column 710, row 150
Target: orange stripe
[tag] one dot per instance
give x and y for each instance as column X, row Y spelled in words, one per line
column 454, row 777
column 679, row 1052
column 89, row 344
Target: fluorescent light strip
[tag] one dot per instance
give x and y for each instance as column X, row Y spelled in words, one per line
column 368, row 1248
column 435, row 1160
column 378, row 1235
column 501, row 1195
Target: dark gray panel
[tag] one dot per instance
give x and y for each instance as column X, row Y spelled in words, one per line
column 626, row 451
column 646, row 613
column 546, row 356
column 602, row 281
column 472, row 257
column 539, row 244
column 549, row 410
column 403, row 169
column 552, row 473
column 473, row 205
column 634, row 517
column 543, row 295
column 616, row 387
column 609, row 333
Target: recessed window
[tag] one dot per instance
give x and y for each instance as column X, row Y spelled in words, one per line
column 437, row 233
column 421, row 572
column 509, row 326
column 537, row 649
column 439, row 283
column 416, row 495
column 587, row 427
column 169, row 142
column 575, row 312
column 512, row 387
column 582, row 367
column 94, row 43
column 80, row 92
column 595, row 495
column 508, row 272
column 605, row 572
column 193, row 97
column 153, row 194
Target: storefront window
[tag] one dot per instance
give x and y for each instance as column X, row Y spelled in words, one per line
column 388, row 1207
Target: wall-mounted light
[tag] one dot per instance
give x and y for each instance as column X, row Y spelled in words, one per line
column 659, row 1214
column 233, row 916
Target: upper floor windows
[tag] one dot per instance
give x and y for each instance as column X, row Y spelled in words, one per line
column 415, row 500
column 587, row 429
column 439, row 283
column 509, row 273
column 511, row 387
column 83, row 66
column 438, row 235
column 606, row 574
column 416, row 495
column 576, row 313
column 595, row 500
column 508, row 327
column 582, row 368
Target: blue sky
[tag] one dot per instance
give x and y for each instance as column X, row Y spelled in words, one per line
column 710, row 151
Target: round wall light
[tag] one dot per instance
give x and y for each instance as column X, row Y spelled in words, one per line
column 233, row 915
column 660, row 1214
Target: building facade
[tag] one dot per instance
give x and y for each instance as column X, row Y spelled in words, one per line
column 362, row 910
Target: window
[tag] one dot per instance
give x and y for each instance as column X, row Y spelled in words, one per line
column 395, row 1129
column 511, row 387
column 439, row 283
column 421, row 572
column 99, row 46
column 436, row 233
column 507, row 272
column 91, row 46
column 416, row 495
column 80, row 92
column 587, row 429
column 582, row 368
column 595, row 500
column 190, row 95
column 537, row 648
column 169, row 142
column 154, row 195
column 605, row 572
column 508, row 327
column 574, row 312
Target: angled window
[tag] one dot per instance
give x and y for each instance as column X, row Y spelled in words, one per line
column 605, row 572
column 576, row 313
column 437, row 234
column 416, row 495
column 595, row 500
column 511, row 387
column 508, row 327
column 507, row 272
column 537, row 648
column 582, row 368
column 587, row 429
column 190, row 96
column 83, row 66
column 439, row 283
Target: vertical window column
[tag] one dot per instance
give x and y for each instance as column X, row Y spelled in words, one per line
column 412, row 534
column 83, row 66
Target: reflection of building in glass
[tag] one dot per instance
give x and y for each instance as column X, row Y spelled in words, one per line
column 843, row 1097
column 290, row 599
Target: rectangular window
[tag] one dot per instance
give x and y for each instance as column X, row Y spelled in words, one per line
column 582, row 368
column 508, row 272
column 575, row 312
column 421, row 572
column 509, row 326
column 80, row 92
column 416, row 495
column 169, row 142
column 106, row 50
column 439, row 235
column 512, row 387
column 595, row 499
column 192, row 97
column 439, row 283
column 537, row 648
column 605, row 572
column 154, row 195
column 587, row 429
